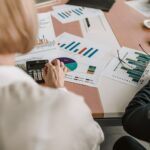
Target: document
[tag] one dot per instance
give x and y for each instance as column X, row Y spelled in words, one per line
column 69, row 13
column 86, row 55
column 129, row 66
column 46, row 46
column 97, row 29
column 84, row 59
column 142, row 6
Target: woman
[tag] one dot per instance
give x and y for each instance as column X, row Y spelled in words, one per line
column 35, row 117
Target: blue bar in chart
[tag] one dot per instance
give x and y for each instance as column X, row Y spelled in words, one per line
column 68, row 13
column 136, row 63
column 61, row 15
column 76, row 50
column 62, row 45
column 142, row 58
column 75, row 46
column 88, row 51
column 137, row 74
column 79, row 11
column 142, row 55
column 70, row 45
column 92, row 54
column 76, row 12
column 65, row 14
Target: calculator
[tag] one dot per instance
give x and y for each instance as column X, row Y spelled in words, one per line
column 34, row 69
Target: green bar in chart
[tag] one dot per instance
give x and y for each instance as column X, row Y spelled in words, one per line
column 133, row 72
column 133, row 62
column 135, row 80
column 138, row 70
column 142, row 58
column 142, row 61
column 135, row 77
column 142, row 55
column 124, row 68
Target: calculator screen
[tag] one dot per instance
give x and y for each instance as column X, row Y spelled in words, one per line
column 36, row 65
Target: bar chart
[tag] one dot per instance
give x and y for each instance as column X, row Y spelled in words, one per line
column 42, row 41
column 82, row 57
column 91, row 70
column 132, row 70
column 78, row 47
column 68, row 13
column 140, row 64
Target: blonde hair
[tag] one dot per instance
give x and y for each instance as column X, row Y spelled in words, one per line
column 18, row 26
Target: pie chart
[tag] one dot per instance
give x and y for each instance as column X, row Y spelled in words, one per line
column 69, row 63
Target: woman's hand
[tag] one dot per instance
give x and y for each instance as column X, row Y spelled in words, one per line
column 54, row 73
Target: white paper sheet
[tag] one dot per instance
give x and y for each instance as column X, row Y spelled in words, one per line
column 141, row 6
column 46, row 47
column 85, row 59
column 97, row 29
column 134, row 71
column 69, row 13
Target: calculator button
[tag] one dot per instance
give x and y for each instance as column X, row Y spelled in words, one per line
column 35, row 76
column 39, row 75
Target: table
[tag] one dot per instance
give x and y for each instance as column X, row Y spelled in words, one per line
column 110, row 98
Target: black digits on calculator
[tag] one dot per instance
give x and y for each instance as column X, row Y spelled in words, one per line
column 34, row 69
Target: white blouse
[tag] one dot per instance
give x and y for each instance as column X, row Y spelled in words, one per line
column 33, row 117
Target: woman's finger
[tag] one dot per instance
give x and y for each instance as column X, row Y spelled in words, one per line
column 49, row 67
column 54, row 62
column 65, row 70
column 44, row 72
column 58, row 63
column 62, row 65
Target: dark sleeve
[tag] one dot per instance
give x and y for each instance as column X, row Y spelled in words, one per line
column 136, row 120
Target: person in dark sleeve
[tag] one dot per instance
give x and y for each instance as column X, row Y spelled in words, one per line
column 136, row 121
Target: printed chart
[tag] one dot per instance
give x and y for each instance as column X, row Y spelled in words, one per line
column 42, row 40
column 46, row 47
column 84, row 58
column 69, row 63
column 69, row 13
column 78, row 46
column 66, row 14
column 131, row 69
column 73, row 47
column 83, row 74
column 97, row 29
column 46, row 36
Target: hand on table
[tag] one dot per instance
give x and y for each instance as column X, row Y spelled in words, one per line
column 54, row 73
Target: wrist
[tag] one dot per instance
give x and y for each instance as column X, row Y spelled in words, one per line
column 55, row 86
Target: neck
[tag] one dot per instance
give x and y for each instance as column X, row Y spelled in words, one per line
column 8, row 59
